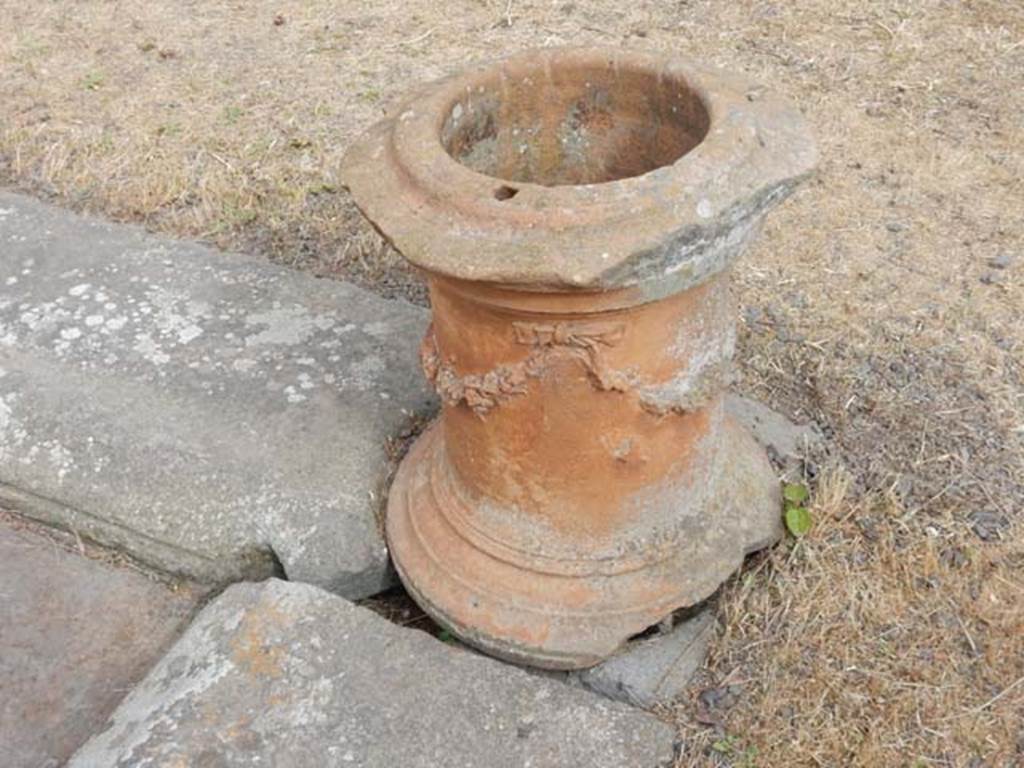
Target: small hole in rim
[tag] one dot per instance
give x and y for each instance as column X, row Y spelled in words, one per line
column 505, row 192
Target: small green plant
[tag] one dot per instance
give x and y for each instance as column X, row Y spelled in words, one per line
column 93, row 81
column 730, row 747
column 168, row 129
column 236, row 215
column 232, row 113
column 323, row 189
column 370, row 95
column 724, row 746
column 446, row 635
column 31, row 47
column 798, row 517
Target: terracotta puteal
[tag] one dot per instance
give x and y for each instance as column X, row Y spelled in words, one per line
column 576, row 213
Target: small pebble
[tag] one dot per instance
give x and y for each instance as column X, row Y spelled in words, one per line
column 954, row 557
column 987, row 525
column 752, row 315
column 720, row 698
column 1002, row 261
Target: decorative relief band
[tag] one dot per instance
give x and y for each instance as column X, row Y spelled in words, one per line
column 585, row 341
column 569, row 334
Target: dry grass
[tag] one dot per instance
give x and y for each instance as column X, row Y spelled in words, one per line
column 892, row 635
column 868, row 644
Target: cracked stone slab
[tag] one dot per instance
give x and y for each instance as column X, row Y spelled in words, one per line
column 75, row 635
column 281, row 673
column 211, row 414
column 655, row 669
column 787, row 443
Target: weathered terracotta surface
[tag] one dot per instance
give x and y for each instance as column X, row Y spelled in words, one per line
column 575, row 212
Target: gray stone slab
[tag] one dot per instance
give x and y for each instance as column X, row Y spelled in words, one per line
column 207, row 412
column 284, row 674
column 654, row 669
column 785, row 441
column 75, row 635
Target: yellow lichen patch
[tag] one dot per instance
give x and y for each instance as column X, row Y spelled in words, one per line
column 255, row 647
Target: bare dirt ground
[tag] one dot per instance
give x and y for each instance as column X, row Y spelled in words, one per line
column 882, row 302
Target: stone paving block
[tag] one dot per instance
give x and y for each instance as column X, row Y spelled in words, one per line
column 284, row 674
column 785, row 441
column 654, row 669
column 209, row 413
column 75, row 635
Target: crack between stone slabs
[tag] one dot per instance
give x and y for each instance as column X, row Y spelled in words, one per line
column 62, row 516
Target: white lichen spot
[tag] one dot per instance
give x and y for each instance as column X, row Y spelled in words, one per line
column 79, row 290
column 60, row 459
column 12, row 280
column 12, row 433
column 378, row 329
column 363, row 373
column 704, row 209
column 292, row 395
column 116, row 323
column 285, row 325
column 44, row 316
column 70, row 334
column 188, row 333
column 149, row 349
column 93, row 320
column 6, row 420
